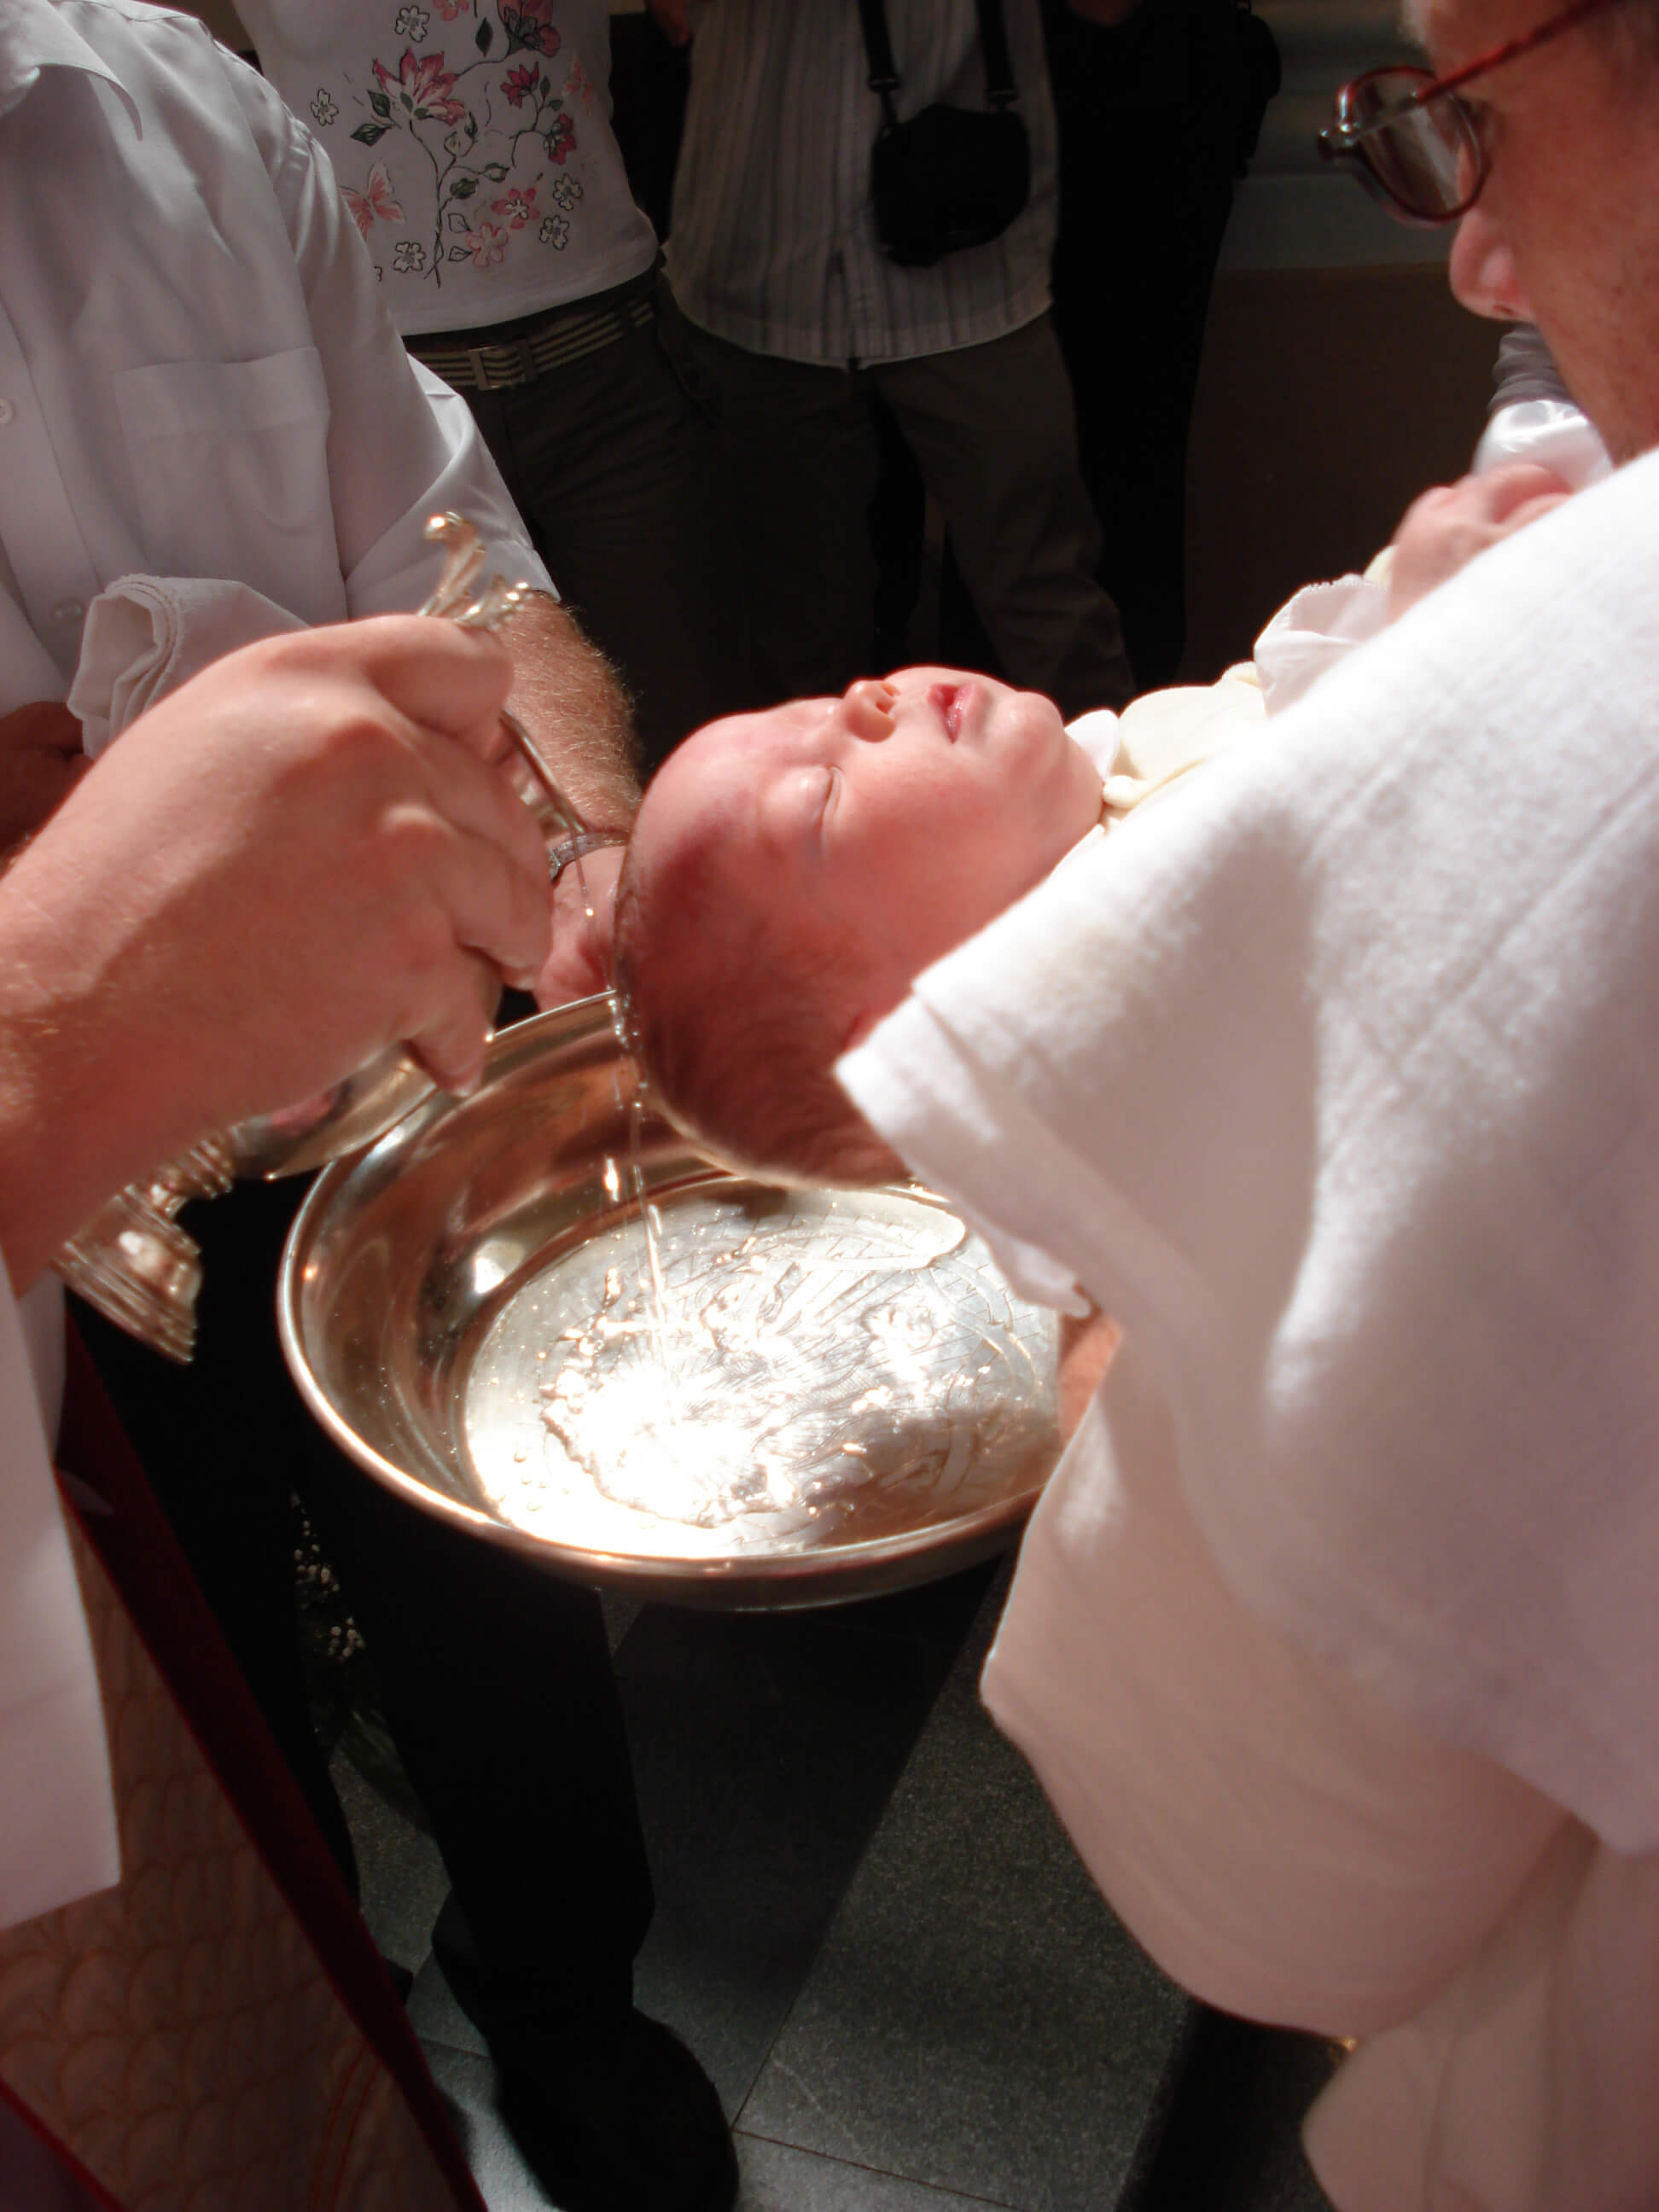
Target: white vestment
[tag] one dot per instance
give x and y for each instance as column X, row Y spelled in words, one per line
column 1336, row 1082
column 196, row 377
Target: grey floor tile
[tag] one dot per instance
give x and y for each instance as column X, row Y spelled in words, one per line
column 776, row 2179
column 765, row 1748
column 977, row 2019
column 400, row 1875
column 468, row 2084
column 470, row 2091
column 437, row 2018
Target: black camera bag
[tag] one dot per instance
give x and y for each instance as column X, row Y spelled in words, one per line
column 948, row 178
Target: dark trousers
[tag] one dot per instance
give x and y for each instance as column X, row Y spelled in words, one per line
column 617, row 472
column 1155, row 121
column 993, row 430
column 496, row 1680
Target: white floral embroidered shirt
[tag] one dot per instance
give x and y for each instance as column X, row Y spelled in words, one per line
column 472, row 141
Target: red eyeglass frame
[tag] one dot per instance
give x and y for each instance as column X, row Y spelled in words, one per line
column 1343, row 141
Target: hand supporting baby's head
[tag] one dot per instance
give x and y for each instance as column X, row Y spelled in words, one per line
column 791, row 873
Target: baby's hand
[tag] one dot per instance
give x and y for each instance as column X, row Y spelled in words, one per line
column 1444, row 530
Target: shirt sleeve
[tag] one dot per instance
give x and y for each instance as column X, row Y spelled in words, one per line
column 401, row 445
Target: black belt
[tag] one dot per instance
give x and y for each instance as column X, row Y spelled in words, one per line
column 557, row 338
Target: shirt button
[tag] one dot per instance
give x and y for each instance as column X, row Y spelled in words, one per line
column 7, row 410
column 68, row 611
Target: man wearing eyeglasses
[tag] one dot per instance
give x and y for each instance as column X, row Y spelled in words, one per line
column 1540, row 138
column 1335, row 1082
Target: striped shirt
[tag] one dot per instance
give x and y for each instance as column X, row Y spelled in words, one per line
column 774, row 243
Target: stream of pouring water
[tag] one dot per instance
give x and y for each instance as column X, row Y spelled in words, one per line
column 735, row 1365
column 650, row 1226
column 657, row 1288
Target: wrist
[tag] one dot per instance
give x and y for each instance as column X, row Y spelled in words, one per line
column 575, row 711
column 78, row 1120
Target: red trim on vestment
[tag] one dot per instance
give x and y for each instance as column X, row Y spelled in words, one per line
column 89, row 2183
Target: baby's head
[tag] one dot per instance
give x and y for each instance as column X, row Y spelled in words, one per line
column 791, row 873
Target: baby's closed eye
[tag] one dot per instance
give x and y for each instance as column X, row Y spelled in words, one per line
column 795, row 810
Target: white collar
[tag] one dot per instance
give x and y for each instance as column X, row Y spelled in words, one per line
column 34, row 36
column 1097, row 734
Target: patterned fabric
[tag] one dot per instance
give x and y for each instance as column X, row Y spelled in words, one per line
column 774, row 245
column 472, row 141
column 179, row 2035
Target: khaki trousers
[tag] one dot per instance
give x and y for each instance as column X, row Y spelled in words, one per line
column 993, row 431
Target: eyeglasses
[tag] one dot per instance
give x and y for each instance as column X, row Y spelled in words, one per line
column 1415, row 145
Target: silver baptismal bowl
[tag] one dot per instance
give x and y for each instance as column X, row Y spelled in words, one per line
column 786, row 1398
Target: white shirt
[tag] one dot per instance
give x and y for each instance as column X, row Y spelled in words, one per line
column 1337, row 1083
column 774, row 245
column 473, row 144
column 197, row 375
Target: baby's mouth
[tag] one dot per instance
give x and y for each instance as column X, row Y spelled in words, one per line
column 950, row 701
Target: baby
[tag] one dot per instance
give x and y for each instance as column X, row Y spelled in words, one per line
column 790, row 872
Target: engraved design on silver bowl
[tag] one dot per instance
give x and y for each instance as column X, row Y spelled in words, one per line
column 837, row 1392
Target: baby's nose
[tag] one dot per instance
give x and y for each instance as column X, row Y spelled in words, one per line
column 870, row 708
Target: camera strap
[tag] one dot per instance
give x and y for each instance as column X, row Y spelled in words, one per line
column 1000, row 90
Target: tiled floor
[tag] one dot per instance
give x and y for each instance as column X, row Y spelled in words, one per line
column 873, row 1932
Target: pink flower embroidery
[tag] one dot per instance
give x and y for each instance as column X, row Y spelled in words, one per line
column 425, row 88
column 530, row 23
column 518, row 208
column 577, row 85
column 376, row 201
column 520, row 84
column 560, row 138
column 449, row 10
column 487, row 244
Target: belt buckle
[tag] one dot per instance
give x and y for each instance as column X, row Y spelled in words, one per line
column 521, row 369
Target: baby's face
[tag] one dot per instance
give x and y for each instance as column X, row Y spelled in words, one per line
column 891, row 824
